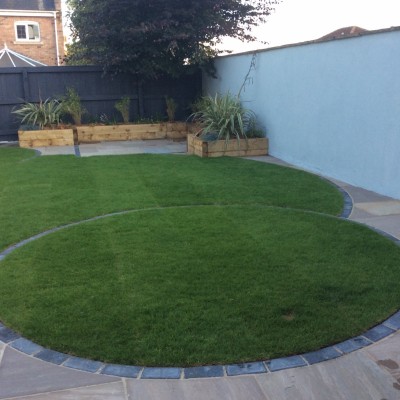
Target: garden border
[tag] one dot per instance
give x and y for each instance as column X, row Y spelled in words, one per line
column 380, row 331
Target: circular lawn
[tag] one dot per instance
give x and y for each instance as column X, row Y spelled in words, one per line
column 200, row 284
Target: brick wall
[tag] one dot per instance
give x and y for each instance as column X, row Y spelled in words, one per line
column 43, row 51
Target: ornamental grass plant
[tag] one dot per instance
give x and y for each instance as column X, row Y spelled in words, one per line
column 72, row 106
column 43, row 114
column 223, row 117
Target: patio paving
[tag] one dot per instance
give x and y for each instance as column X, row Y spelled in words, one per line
column 370, row 373
column 161, row 146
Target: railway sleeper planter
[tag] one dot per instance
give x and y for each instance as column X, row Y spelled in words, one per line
column 232, row 148
column 46, row 137
column 101, row 133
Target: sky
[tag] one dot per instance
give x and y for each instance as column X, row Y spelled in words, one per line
column 300, row 20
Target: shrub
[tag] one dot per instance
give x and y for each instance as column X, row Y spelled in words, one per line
column 123, row 107
column 43, row 114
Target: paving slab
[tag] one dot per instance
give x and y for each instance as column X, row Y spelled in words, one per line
column 386, row 354
column 108, row 391
column 235, row 388
column 56, row 150
column 132, row 147
column 351, row 377
column 22, row 375
column 380, row 208
column 357, row 213
column 360, row 195
column 389, row 224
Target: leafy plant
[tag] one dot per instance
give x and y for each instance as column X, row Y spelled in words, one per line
column 223, row 117
column 123, row 107
column 71, row 105
column 45, row 113
column 171, row 108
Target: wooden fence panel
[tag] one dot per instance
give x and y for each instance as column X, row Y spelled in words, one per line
column 98, row 93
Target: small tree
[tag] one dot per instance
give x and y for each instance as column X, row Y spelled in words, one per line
column 151, row 38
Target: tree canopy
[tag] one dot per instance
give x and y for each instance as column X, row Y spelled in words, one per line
column 153, row 37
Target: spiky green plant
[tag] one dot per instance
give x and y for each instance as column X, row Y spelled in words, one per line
column 123, row 107
column 71, row 105
column 224, row 116
column 45, row 113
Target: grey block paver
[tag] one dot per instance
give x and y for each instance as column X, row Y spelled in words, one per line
column 22, row 375
column 378, row 332
column 279, row 364
column 328, row 353
column 52, row 356
column 7, row 335
column 246, row 368
column 26, row 346
column 126, row 371
column 353, row 344
column 161, row 373
column 83, row 364
column 204, row 372
column 393, row 321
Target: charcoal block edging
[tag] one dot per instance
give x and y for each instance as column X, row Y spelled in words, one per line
column 26, row 346
column 83, row 364
column 207, row 371
column 161, row 373
column 325, row 354
column 246, row 368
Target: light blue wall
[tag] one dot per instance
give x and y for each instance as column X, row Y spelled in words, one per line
column 330, row 107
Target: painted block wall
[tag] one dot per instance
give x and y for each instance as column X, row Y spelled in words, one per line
column 329, row 107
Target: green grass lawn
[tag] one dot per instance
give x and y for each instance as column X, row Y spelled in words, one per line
column 232, row 261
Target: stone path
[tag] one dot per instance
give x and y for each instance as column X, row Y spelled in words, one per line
column 371, row 373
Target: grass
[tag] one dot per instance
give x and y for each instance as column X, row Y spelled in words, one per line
column 247, row 271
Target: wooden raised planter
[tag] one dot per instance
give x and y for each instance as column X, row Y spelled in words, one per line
column 218, row 148
column 46, row 137
column 101, row 133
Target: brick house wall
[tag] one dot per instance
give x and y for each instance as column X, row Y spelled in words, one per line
column 44, row 49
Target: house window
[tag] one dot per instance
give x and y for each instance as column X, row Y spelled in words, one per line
column 27, row 31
